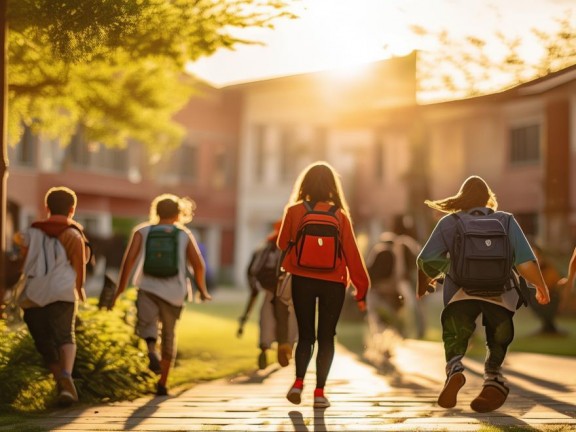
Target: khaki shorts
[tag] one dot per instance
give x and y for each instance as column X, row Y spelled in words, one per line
column 152, row 311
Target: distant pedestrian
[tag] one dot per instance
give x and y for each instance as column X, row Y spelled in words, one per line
column 473, row 248
column 55, row 258
column 161, row 250
column 263, row 277
column 567, row 283
column 548, row 313
column 322, row 256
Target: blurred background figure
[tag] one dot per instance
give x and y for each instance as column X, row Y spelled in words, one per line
column 548, row 313
column 392, row 301
column 263, row 276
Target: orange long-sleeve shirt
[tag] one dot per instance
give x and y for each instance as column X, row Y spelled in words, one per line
column 351, row 267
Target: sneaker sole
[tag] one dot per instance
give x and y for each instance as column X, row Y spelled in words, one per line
column 294, row 397
column 490, row 398
column 323, row 404
column 449, row 394
column 65, row 399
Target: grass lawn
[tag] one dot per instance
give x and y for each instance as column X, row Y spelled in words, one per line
column 207, row 344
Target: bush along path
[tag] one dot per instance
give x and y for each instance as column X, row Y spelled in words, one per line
column 109, row 365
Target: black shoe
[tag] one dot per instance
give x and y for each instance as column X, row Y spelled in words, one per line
column 262, row 360
column 161, row 390
column 154, row 363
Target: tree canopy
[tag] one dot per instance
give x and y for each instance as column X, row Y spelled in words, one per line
column 116, row 66
column 467, row 66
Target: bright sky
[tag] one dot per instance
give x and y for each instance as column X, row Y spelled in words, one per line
column 337, row 33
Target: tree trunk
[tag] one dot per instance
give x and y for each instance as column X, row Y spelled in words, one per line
column 3, row 143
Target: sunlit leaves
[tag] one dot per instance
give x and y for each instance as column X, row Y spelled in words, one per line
column 116, row 66
column 471, row 66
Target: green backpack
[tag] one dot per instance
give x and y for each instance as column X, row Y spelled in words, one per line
column 161, row 256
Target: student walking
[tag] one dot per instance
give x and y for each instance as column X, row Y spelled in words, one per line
column 160, row 251
column 263, row 277
column 474, row 248
column 322, row 255
column 55, row 257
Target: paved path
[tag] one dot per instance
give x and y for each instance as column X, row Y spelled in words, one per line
column 543, row 397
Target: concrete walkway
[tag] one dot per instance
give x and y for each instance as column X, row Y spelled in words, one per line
column 542, row 397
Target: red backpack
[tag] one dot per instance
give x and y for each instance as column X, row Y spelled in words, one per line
column 318, row 239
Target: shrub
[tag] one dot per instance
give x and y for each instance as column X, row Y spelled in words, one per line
column 109, row 365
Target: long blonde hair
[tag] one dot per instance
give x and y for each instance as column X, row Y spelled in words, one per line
column 319, row 182
column 474, row 192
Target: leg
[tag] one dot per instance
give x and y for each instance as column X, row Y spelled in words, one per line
column 169, row 316
column 330, row 302
column 285, row 322
column 148, row 315
column 267, row 328
column 458, row 324
column 499, row 328
column 62, row 318
column 304, row 297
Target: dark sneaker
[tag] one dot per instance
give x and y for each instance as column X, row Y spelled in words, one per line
column 493, row 395
column 154, row 363
column 321, row 402
column 262, row 360
column 284, row 354
column 448, row 395
column 294, row 395
column 161, row 390
column 67, row 394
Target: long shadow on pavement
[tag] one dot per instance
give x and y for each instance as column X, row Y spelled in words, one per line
column 299, row 423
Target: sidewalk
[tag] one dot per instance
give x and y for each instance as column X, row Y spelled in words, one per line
column 542, row 397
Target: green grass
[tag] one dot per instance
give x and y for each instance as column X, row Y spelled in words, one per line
column 208, row 347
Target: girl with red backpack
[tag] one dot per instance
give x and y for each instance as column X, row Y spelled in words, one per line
column 321, row 253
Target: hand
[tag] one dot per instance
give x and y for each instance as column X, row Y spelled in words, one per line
column 362, row 305
column 204, row 296
column 542, row 296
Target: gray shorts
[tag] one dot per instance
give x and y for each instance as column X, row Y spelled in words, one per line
column 152, row 311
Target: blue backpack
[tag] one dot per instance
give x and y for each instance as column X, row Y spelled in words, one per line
column 481, row 255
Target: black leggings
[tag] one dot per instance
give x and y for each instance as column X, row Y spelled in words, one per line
column 330, row 297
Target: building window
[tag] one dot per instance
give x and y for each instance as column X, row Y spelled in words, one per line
column 97, row 156
column 224, row 173
column 25, row 150
column 189, row 162
column 378, row 158
column 259, row 152
column 525, row 144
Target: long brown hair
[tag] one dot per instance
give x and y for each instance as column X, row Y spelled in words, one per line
column 474, row 192
column 320, row 182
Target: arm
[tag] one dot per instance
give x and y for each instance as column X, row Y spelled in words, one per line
column 194, row 257
column 355, row 263
column 128, row 262
column 568, row 282
column 285, row 231
column 530, row 271
column 432, row 261
column 75, row 247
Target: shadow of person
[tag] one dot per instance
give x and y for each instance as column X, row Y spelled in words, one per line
column 319, row 422
column 298, row 421
column 144, row 412
column 299, row 424
column 256, row 377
